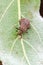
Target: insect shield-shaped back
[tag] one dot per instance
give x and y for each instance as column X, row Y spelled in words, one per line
column 24, row 25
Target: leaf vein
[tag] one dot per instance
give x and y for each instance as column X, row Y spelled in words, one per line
column 31, row 46
column 25, row 55
column 13, row 44
column 6, row 10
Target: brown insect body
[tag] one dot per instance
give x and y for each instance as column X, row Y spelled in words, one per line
column 24, row 25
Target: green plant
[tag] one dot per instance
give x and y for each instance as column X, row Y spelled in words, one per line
column 28, row 49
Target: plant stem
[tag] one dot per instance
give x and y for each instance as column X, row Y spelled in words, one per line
column 19, row 10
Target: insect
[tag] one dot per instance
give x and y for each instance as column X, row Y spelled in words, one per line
column 24, row 26
column 0, row 62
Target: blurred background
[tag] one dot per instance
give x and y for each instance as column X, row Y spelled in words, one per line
column 41, row 8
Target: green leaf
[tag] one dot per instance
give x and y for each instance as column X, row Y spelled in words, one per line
column 14, row 50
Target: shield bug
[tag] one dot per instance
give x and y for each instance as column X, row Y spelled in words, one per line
column 24, row 25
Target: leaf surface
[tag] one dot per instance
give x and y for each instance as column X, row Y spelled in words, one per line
column 29, row 49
